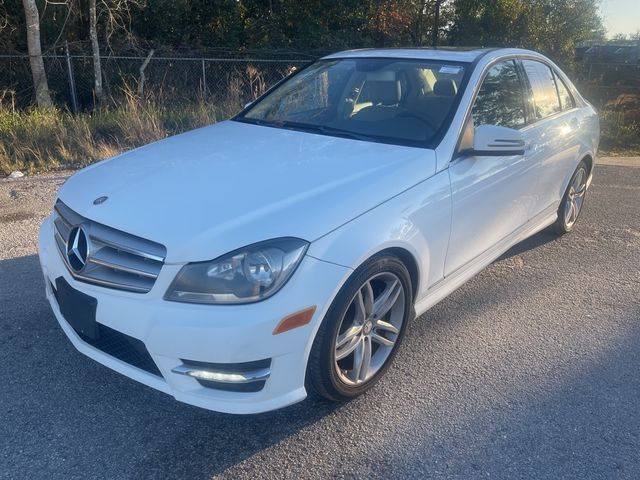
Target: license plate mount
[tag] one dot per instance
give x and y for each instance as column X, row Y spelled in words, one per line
column 78, row 309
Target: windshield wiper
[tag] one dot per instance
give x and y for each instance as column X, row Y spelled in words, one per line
column 344, row 133
column 339, row 132
column 307, row 127
column 253, row 121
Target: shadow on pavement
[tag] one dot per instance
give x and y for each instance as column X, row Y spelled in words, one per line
column 581, row 424
column 541, row 238
column 57, row 401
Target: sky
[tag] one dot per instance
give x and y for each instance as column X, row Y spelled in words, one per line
column 620, row 16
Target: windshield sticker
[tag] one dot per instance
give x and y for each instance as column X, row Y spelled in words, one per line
column 450, row 69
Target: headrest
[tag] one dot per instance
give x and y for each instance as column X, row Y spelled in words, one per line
column 384, row 92
column 445, row 88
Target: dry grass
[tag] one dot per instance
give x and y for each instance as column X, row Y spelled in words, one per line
column 44, row 140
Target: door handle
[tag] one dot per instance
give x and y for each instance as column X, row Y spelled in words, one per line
column 569, row 127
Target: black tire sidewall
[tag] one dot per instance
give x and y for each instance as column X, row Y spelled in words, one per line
column 321, row 372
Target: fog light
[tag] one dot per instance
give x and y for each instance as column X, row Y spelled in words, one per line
column 223, row 377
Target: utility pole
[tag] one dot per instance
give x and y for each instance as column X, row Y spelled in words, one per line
column 436, row 21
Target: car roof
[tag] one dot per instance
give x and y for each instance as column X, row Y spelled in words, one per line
column 447, row 54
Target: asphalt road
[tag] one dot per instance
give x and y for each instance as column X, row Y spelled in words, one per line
column 531, row 370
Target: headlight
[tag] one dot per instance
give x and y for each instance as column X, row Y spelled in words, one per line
column 246, row 275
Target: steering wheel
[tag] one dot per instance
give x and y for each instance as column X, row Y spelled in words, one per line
column 421, row 118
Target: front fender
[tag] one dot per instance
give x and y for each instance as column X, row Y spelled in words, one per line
column 417, row 221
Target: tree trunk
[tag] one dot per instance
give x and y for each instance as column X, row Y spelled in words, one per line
column 420, row 17
column 35, row 54
column 95, row 48
column 436, row 24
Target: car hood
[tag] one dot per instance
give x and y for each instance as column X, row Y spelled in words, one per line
column 221, row 187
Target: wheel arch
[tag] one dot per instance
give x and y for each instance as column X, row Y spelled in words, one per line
column 588, row 159
column 409, row 261
column 415, row 255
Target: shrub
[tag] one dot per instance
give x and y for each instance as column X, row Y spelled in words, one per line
column 619, row 132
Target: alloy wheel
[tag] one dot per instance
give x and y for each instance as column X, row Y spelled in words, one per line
column 575, row 197
column 369, row 328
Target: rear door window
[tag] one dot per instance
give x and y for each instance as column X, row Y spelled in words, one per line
column 545, row 96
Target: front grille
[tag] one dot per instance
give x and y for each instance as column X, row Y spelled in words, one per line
column 114, row 259
column 119, row 345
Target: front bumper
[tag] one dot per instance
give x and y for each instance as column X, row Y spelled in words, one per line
column 219, row 334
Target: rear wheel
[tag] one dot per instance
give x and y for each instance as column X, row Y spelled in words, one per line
column 361, row 332
column 572, row 202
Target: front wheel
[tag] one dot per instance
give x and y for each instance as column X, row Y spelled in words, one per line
column 572, row 202
column 361, row 332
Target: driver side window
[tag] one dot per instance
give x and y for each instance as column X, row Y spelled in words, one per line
column 500, row 100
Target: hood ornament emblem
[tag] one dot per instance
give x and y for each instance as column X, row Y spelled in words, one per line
column 100, row 200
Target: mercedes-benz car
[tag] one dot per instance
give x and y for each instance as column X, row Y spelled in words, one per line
column 240, row 266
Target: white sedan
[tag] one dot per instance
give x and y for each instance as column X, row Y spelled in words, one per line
column 240, row 266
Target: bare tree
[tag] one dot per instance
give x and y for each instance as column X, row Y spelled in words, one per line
column 114, row 16
column 95, row 48
column 43, row 98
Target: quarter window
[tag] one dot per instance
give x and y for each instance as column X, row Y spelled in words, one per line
column 566, row 100
column 500, row 100
column 545, row 95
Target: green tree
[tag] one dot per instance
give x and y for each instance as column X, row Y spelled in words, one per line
column 553, row 27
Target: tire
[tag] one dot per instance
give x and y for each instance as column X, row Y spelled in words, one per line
column 572, row 201
column 340, row 379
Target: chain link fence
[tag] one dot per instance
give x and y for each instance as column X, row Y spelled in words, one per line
column 606, row 85
column 613, row 88
column 174, row 79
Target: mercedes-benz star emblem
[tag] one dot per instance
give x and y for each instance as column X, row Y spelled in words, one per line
column 77, row 248
column 100, row 200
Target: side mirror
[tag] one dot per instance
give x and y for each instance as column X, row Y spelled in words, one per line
column 495, row 141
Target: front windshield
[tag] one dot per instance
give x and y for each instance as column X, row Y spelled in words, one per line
column 391, row 100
